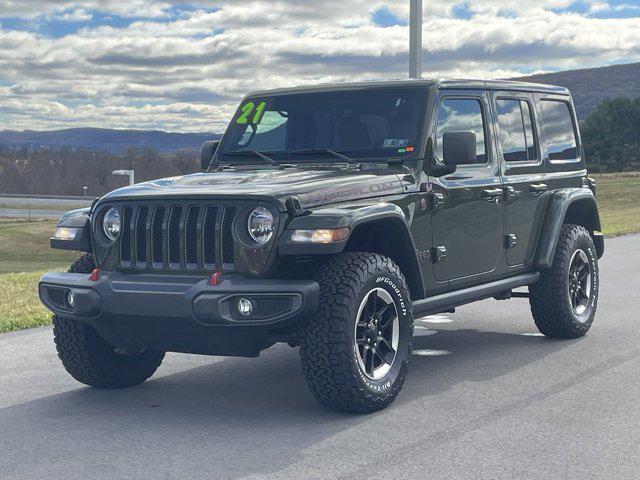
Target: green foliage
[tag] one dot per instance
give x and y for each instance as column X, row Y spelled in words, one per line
column 19, row 304
column 612, row 132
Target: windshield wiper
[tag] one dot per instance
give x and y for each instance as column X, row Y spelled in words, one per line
column 255, row 153
column 314, row 151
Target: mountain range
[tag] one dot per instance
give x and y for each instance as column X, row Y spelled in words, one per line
column 110, row 140
column 592, row 86
column 589, row 88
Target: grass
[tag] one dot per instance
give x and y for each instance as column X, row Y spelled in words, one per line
column 24, row 248
column 619, row 203
column 19, row 304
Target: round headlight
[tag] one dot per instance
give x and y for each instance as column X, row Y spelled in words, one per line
column 260, row 225
column 111, row 223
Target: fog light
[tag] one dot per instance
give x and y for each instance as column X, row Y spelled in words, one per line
column 245, row 307
column 71, row 298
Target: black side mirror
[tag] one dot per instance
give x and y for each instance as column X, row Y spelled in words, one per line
column 459, row 148
column 206, row 153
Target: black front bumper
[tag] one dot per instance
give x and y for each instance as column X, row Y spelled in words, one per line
column 181, row 313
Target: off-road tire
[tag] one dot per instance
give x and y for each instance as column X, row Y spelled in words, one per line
column 549, row 297
column 90, row 359
column 327, row 348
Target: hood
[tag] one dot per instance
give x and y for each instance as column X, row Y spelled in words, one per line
column 313, row 186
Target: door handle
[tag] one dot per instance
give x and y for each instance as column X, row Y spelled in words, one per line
column 436, row 200
column 492, row 194
column 537, row 188
column 509, row 192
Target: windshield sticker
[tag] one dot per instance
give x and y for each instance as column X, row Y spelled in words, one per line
column 247, row 109
column 395, row 142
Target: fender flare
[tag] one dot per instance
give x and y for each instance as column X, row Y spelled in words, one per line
column 354, row 218
column 80, row 219
column 577, row 205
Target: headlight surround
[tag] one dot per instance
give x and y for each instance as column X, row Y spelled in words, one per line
column 260, row 225
column 111, row 224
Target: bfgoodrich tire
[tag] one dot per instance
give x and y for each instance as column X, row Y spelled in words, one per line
column 355, row 350
column 565, row 299
column 90, row 359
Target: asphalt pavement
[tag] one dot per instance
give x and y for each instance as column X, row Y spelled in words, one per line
column 41, row 208
column 486, row 398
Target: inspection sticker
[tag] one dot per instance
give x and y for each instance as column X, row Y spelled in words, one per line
column 395, row 142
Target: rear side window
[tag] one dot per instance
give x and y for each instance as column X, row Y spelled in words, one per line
column 462, row 115
column 559, row 130
column 516, row 130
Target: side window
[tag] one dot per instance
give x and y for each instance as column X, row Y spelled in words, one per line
column 559, row 130
column 516, row 130
column 462, row 115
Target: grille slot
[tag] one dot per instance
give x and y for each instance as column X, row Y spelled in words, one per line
column 174, row 237
column 157, row 237
column 228, row 254
column 141, row 237
column 125, row 239
column 209, row 238
column 191, row 238
column 177, row 236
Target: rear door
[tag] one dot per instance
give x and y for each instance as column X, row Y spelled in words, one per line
column 467, row 217
column 523, row 172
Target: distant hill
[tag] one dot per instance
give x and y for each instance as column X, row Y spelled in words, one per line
column 589, row 88
column 592, row 86
column 114, row 141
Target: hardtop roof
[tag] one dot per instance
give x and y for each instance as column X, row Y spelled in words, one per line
column 442, row 83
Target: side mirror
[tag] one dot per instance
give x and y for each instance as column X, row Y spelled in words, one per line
column 459, row 148
column 206, row 153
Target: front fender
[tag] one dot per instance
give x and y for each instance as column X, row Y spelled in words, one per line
column 333, row 218
column 380, row 227
column 81, row 220
column 568, row 205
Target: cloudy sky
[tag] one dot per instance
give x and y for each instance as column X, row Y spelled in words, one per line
column 184, row 65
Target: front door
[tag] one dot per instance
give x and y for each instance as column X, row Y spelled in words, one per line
column 467, row 218
column 524, row 174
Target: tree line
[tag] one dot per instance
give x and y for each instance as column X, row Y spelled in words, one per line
column 65, row 171
column 610, row 134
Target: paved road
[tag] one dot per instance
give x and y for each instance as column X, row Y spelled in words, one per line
column 35, row 213
column 17, row 207
column 503, row 405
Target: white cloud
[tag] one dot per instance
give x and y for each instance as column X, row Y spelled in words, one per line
column 187, row 71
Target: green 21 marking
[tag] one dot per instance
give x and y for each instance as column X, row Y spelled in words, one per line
column 247, row 109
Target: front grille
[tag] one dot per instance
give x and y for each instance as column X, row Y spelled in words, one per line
column 182, row 237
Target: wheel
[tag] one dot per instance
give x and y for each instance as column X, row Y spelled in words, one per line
column 355, row 350
column 90, row 359
column 565, row 299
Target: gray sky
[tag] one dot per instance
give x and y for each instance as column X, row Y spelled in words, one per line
column 183, row 66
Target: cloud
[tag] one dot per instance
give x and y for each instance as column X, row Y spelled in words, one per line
column 184, row 65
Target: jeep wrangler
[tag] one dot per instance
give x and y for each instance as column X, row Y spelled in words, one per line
column 330, row 217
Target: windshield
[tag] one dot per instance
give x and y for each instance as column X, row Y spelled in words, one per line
column 368, row 124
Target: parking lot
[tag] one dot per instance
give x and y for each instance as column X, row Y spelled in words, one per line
column 486, row 398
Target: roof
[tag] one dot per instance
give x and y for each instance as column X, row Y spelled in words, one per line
column 442, row 83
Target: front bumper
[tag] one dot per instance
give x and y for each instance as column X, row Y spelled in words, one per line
column 181, row 313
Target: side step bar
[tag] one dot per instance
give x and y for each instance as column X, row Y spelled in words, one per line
column 449, row 300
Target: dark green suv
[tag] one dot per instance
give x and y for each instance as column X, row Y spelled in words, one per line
column 329, row 218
